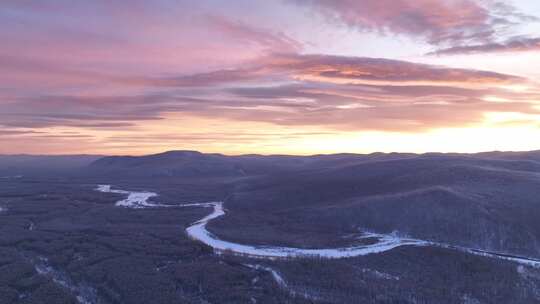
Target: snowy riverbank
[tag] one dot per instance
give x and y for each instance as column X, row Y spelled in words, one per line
column 198, row 231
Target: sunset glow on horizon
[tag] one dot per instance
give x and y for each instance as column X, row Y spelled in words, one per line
column 269, row 77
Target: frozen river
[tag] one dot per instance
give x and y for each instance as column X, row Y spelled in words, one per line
column 383, row 242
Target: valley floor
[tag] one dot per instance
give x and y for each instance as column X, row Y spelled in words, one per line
column 64, row 242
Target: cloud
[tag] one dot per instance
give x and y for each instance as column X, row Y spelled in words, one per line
column 79, row 111
column 234, row 137
column 200, row 79
column 354, row 93
column 16, row 132
column 248, row 34
column 380, row 71
column 439, row 22
column 343, row 109
column 84, row 40
column 118, row 76
column 519, row 44
column 349, row 93
column 334, row 69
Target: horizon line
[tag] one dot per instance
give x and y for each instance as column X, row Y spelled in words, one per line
column 276, row 154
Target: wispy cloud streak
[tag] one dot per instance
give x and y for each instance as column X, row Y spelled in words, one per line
column 519, row 44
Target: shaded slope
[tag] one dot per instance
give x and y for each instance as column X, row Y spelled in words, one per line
column 488, row 204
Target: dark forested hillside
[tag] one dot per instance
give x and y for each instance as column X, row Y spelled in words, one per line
column 60, row 239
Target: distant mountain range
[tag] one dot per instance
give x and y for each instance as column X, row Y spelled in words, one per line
column 196, row 164
column 24, row 164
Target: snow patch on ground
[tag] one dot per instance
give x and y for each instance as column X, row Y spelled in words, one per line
column 280, row 281
column 380, row 275
column 466, row 299
column 11, row 177
column 495, row 255
column 136, row 200
column 275, row 275
column 84, row 294
column 520, row 260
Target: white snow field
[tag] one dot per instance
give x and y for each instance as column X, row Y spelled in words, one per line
column 133, row 200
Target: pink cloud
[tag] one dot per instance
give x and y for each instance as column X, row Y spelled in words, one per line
column 347, row 93
column 375, row 70
column 100, row 65
column 333, row 69
column 139, row 38
column 439, row 22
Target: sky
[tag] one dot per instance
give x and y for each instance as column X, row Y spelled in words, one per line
column 269, row 77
